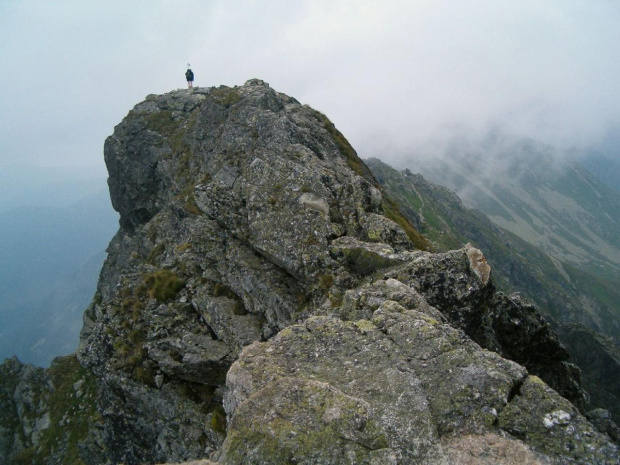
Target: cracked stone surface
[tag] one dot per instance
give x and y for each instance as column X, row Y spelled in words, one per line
column 400, row 388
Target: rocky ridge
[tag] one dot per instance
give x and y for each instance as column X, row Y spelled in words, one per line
column 264, row 302
column 570, row 299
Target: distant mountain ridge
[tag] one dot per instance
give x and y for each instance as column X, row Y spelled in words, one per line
column 605, row 168
column 528, row 189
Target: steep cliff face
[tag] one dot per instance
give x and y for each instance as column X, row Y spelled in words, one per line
column 264, row 302
column 242, row 212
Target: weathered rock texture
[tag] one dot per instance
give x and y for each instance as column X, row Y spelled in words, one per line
column 242, row 212
column 398, row 384
column 401, row 388
column 45, row 414
column 253, row 236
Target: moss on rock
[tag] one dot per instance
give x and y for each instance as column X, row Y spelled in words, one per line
column 315, row 424
column 552, row 425
column 71, row 398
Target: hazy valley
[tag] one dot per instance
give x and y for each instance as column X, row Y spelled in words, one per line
column 54, row 227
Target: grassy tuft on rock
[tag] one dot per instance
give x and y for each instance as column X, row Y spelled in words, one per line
column 163, row 285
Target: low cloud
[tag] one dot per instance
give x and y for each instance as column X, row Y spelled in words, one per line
column 396, row 77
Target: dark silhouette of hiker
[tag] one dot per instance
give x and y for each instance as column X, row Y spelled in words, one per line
column 189, row 75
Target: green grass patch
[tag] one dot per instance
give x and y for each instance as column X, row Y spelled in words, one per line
column 162, row 122
column 145, row 375
column 326, row 281
column 183, row 247
column 218, row 420
column 155, row 252
column 189, row 200
column 190, row 205
column 226, row 96
column 171, row 129
column 346, row 150
column 163, row 285
column 391, row 211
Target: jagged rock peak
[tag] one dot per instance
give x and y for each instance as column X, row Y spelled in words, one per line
column 242, row 212
column 247, row 157
column 253, row 237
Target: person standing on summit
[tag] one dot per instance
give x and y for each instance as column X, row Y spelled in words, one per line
column 189, row 75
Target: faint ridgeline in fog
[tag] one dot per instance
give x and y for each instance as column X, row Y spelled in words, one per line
column 55, row 224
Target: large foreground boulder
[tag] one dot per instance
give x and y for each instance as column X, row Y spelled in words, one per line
column 399, row 387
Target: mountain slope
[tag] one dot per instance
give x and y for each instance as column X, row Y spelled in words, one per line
column 607, row 169
column 565, row 294
column 527, row 189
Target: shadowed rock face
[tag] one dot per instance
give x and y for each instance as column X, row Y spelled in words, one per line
column 253, row 237
column 600, row 359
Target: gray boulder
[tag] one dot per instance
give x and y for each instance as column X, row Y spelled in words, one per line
column 401, row 388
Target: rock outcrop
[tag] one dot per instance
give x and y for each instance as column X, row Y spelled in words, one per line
column 242, row 212
column 264, row 302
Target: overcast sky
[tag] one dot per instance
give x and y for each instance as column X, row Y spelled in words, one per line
column 391, row 74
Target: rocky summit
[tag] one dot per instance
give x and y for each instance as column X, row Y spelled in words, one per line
column 264, row 302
